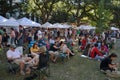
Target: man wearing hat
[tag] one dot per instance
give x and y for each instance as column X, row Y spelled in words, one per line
column 16, row 57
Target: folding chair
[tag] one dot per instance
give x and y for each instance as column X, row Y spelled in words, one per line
column 43, row 68
column 62, row 56
column 12, row 67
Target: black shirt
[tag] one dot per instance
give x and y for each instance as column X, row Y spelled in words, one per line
column 105, row 63
column 52, row 47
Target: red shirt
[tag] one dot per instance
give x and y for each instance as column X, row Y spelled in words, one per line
column 84, row 42
column 95, row 52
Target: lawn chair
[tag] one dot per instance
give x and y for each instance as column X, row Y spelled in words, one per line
column 43, row 68
column 30, row 45
column 69, row 46
column 12, row 67
column 62, row 56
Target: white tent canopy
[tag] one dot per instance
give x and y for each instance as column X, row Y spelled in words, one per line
column 86, row 27
column 47, row 25
column 2, row 19
column 114, row 28
column 10, row 22
column 28, row 23
column 57, row 25
column 66, row 26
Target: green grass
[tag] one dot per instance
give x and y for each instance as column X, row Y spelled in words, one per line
column 76, row 68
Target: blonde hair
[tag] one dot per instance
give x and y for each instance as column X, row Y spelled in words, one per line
column 43, row 49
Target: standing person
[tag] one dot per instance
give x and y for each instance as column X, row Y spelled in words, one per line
column 70, row 32
column 1, row 30
column 29, row 36
column 20, row 36
column 58, row 33
column 0, row 38
column 12, row 37
column 5, row 39
column 103, row 36
column 35, row 34
column 78, row 33
column 109, row 67
column 66, row 34
column 39, row 34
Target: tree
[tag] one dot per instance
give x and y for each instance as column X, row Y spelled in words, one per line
column 59, row 16
column 3, row 7
column 103, row 17
column 42, row 8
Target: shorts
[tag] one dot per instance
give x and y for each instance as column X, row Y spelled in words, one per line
column 18, row 61
column 23, row 60
column 56, row 53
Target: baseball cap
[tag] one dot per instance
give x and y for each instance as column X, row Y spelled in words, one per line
column 12, row 46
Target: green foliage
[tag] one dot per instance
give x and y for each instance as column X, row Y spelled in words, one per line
column 99, row 13
column 59, row 16
column 103, row 17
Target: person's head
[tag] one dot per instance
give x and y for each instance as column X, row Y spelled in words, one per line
column 61, row 43
column 96, row 45
column 20, row 27
column 5, row 34
column 12, row 28
column 35, row 45
column 103, row 44
column 12, row 47
column 43, row 50
column 112, row 56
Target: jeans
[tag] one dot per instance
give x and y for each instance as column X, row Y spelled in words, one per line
column 20, row 42
column 99, row 58
column 12, row 41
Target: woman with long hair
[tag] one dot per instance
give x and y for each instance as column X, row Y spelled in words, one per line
column 65, row 49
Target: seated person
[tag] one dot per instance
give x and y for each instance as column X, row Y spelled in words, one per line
column 65, row 49
column 87, row 50
column 39, row 63
column 83, row 43
column 95, row 53
column 54, row 52
column 41, row 42
column 35, row 50
column 51, row 40
column 15, row 56
column 109, row 67
column 106, row 64
column 104, row 49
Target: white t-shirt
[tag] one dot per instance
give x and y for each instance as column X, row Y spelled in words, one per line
column 13, row 54
column 51, row 41
column 39, row 34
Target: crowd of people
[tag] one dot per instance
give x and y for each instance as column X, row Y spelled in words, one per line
column 92, row 45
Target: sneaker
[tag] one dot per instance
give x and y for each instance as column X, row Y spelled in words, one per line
column 22, row 73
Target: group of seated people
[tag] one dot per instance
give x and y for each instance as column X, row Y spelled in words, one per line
column 24, row 61
column 94, row 48
column 55, row 49
column 99, row 50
